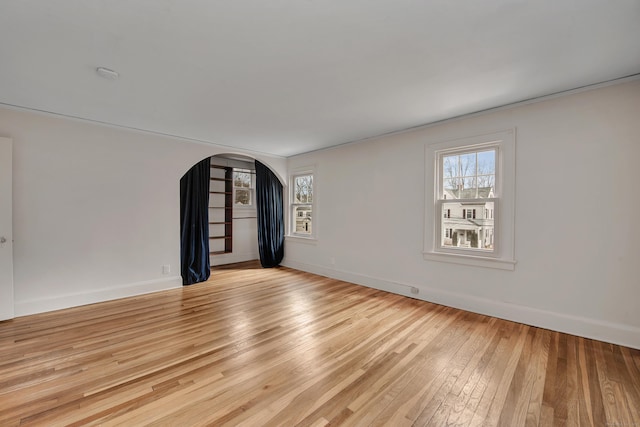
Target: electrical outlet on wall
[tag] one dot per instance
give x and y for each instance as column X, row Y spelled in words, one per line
column 166, row 269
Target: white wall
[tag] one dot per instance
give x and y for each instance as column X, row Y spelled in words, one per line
column 95, row 209
column 577, row 216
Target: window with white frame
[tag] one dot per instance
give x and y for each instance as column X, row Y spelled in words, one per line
column 466, row 180
column 302, row 205
column 243, row 186
column 472, row 177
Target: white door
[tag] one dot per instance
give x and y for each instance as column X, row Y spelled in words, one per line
column 6, row 235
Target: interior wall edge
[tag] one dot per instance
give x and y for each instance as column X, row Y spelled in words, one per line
column 615, row 333
column 59, row 302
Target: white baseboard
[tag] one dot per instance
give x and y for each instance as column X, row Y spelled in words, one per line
column 41, row 305
column 232, row 258
column 615, row 333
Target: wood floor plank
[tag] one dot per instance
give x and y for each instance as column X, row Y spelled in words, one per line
column 559, row 402
column 280, row 347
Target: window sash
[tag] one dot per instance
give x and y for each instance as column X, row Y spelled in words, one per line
column 297, row 223
column 477, row 148
column 439, row 228
column 245, row 185
column 307, row 188
column 246, row 173
column 301, row 225
column 441, row 198
column 242, row 189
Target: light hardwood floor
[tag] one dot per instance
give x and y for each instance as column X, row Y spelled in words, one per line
column 279, row 347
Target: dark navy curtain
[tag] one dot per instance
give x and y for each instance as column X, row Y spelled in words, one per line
column 270, row 216
column 194, row 223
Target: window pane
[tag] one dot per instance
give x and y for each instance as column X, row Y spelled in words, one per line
column 242, row 179
column 487, row 162
column 486, row 173
column 303, row 191
column 243, row 196
column 468, row 225
column 450, row 166
column 467, row 164
column 469, row 175
column 302, row 217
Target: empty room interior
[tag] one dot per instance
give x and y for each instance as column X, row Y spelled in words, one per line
column 305, row 213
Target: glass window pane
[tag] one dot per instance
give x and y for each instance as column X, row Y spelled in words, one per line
column 303, row 191
column 302, row 216
column 487, row 162
column 469, row 175
column 242, row 179
column 469, row 225
column 467, row 164
column 450, row 166
column 243, row 196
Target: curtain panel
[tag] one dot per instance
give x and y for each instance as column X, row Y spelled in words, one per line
column 269, row 205
column 194, row 223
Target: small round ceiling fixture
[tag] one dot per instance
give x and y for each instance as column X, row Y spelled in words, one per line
column 107, row 73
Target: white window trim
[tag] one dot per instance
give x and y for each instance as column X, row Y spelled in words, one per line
column 503, row 257
column 291, row 235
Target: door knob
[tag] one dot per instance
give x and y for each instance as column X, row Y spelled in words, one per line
column 3, row 240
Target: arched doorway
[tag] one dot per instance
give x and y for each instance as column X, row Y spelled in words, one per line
column 231, row 227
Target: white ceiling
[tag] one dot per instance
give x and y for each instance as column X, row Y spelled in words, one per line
column 290, row 76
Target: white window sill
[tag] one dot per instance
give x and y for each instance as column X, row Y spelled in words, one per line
column 475, row 261
column 302, row 239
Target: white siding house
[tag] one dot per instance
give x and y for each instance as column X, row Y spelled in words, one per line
column 468, row 223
